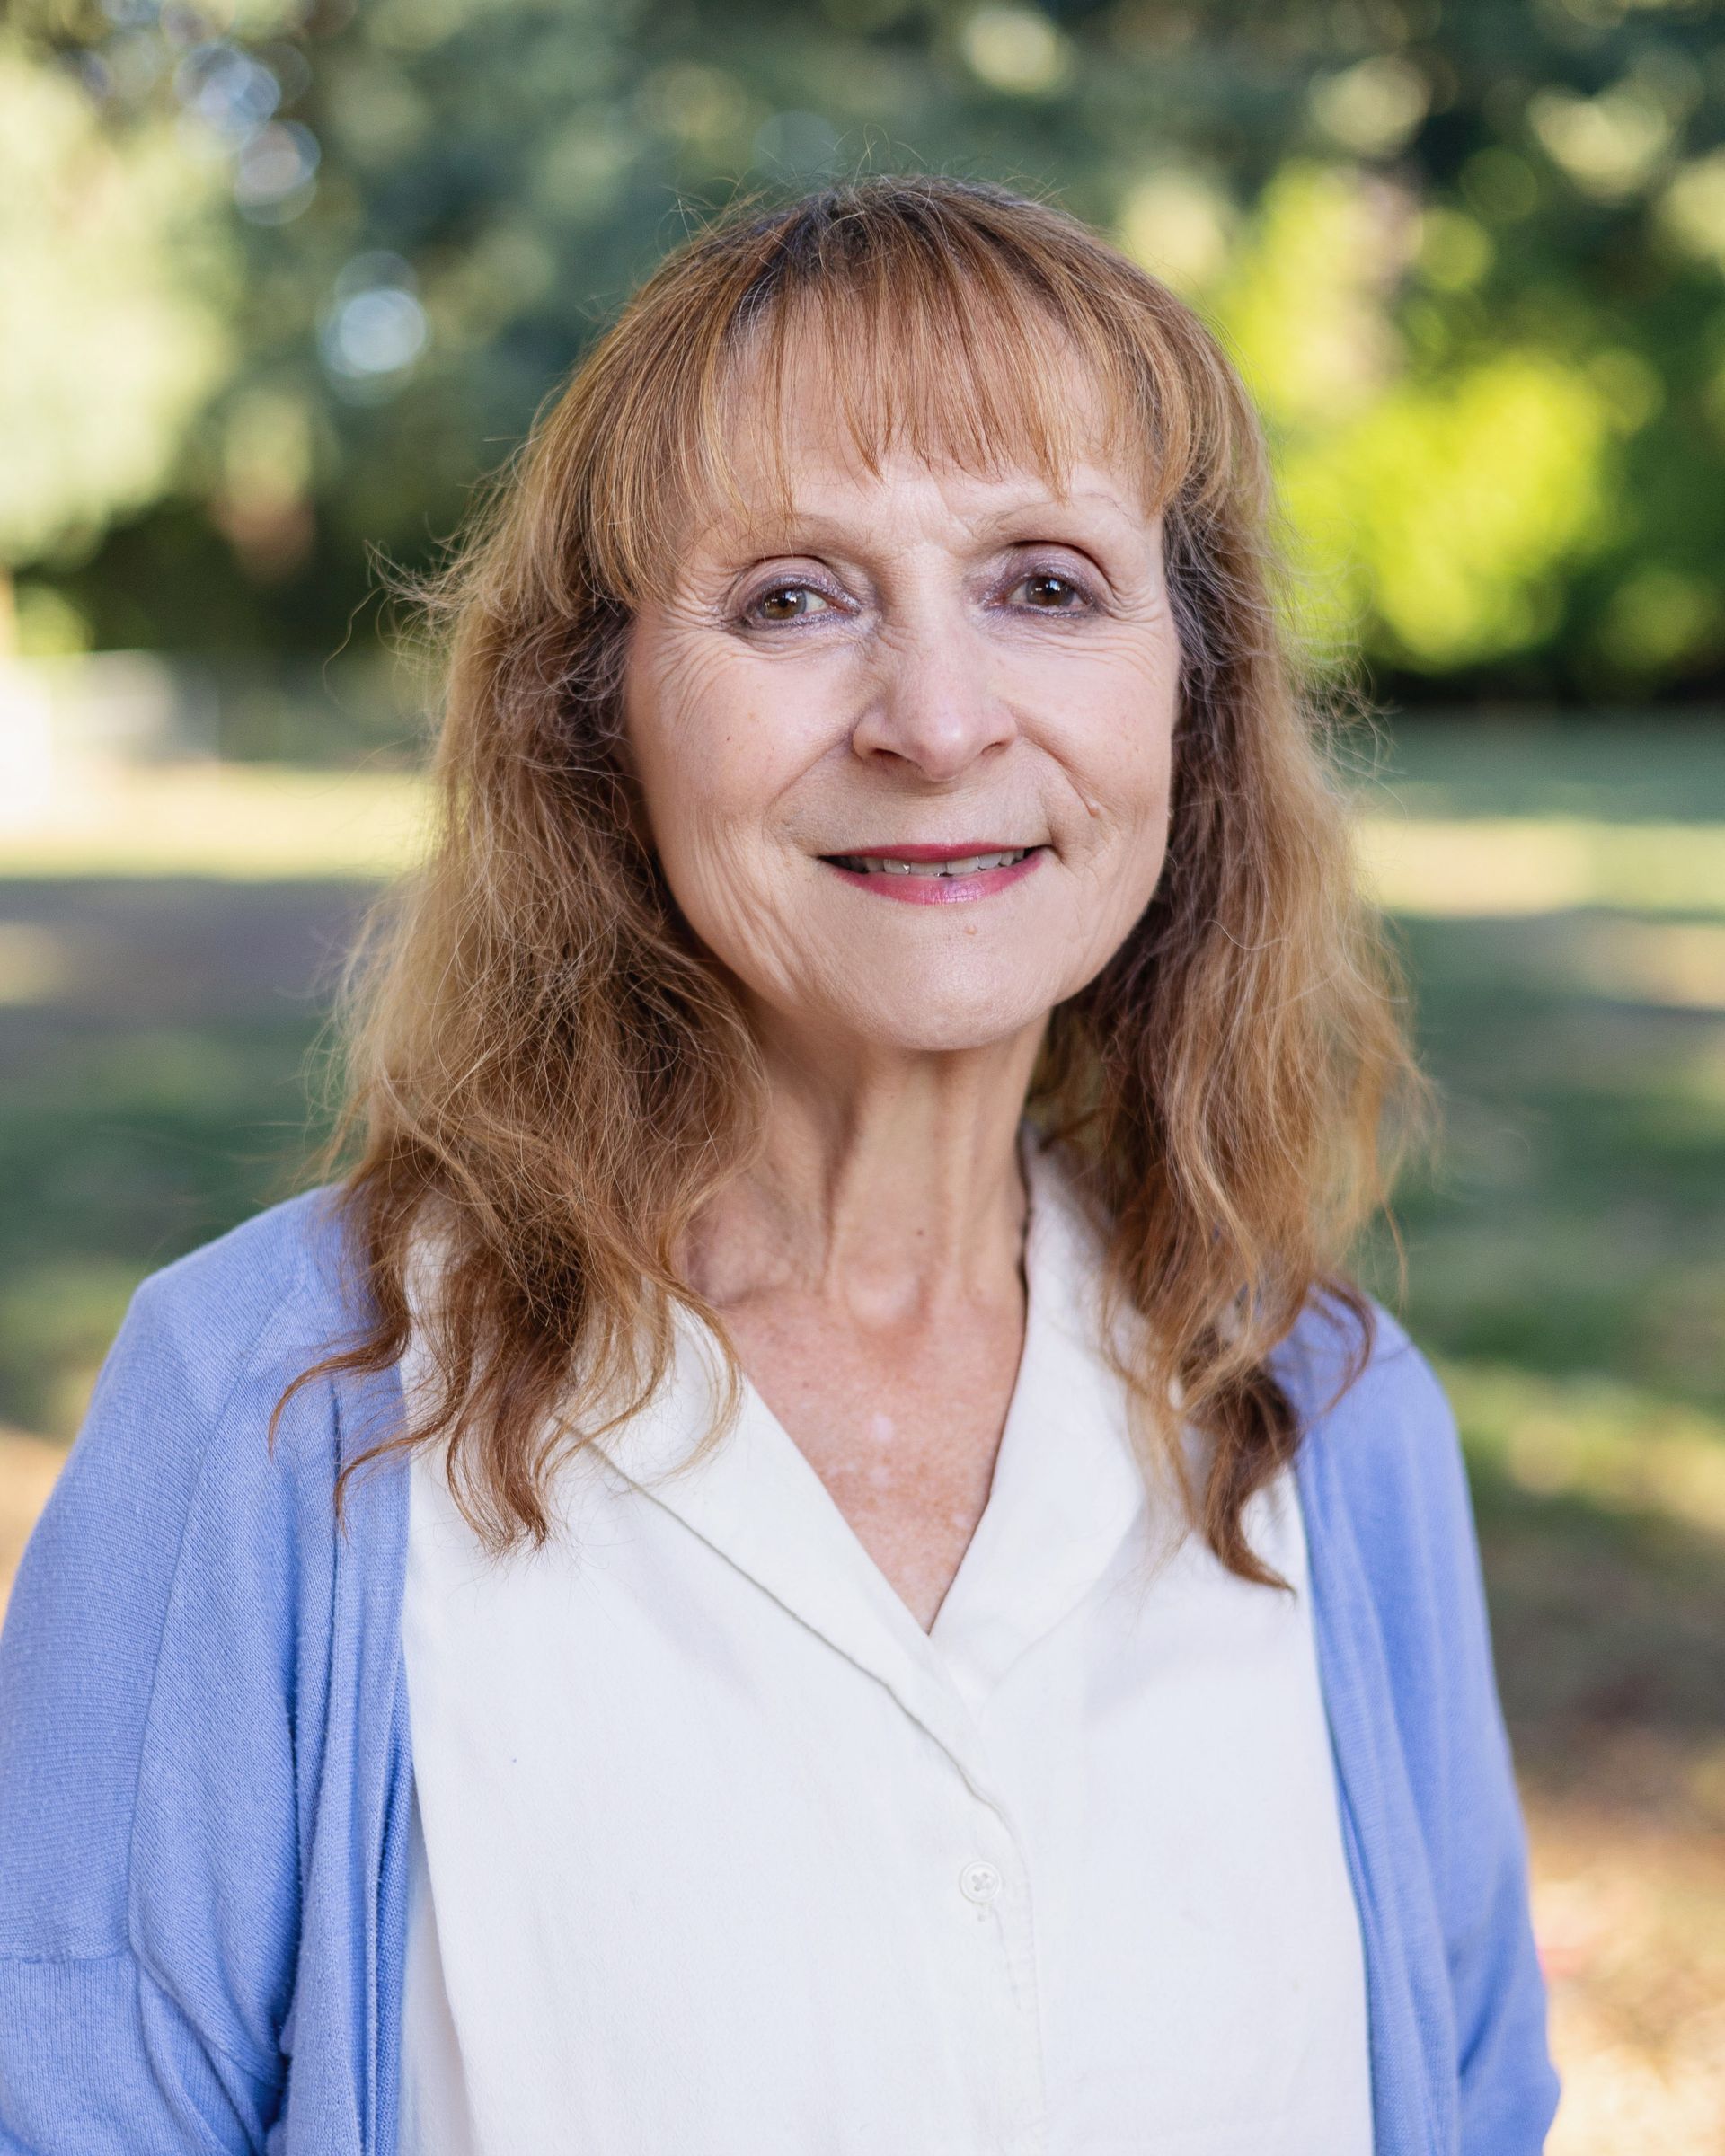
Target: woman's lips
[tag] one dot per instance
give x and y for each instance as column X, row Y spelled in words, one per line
column 936, row 875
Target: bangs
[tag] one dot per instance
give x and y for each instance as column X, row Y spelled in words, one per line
column 932, row 343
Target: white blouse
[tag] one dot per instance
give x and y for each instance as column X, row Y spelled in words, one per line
column 717, row 1852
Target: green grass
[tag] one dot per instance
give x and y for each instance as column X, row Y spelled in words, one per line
column 150, row 1097
column 1634, row 767
column 116, row 1156
column 1566, row 1255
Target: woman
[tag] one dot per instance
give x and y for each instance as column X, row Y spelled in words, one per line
column 890, row 1595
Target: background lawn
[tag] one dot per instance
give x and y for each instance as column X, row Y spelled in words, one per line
column 1560, row 898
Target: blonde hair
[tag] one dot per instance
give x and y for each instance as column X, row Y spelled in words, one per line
column 541, row 1055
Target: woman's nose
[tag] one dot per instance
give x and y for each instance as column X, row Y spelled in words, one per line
column 938, row 703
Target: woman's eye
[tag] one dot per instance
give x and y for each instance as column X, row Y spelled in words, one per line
column 789, row 602
column 1048, row 592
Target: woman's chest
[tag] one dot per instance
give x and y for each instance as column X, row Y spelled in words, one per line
column 902, row 1427
column 721, row 1857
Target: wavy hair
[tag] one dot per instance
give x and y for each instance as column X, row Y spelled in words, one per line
column 540, row 1059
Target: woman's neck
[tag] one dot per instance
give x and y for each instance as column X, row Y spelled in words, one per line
column 885, row 1184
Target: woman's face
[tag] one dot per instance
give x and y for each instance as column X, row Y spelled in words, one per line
column 906, row 757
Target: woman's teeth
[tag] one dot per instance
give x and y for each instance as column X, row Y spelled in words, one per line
column 971, row 864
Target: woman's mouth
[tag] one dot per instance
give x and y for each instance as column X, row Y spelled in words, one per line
column 936, row 875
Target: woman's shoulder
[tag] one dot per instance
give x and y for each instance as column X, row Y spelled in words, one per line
column 184, row 1399
column 243, row 1314
column 1388, row 1512
column 1381, row 1467
column 1373, row 1412
column 183, row 1421
column 275, row 1284
column 177, row 1493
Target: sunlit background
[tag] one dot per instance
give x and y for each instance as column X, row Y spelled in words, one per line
column 279, row 282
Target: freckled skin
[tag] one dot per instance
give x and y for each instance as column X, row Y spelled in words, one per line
column 925, row 657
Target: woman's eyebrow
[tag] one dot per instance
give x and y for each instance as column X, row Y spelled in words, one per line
column 1086, row 507
column 804, row 530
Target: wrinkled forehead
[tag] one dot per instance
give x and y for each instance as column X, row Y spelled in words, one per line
column 838, row 386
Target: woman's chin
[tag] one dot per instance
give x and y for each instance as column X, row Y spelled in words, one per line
column 923, row 1023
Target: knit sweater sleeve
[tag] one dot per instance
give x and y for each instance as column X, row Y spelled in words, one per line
column 151, row 1689
column 1432, row 1789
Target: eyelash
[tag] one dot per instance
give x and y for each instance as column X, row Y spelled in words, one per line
column 747, row 616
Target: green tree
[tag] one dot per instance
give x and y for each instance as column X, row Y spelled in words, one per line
column 119, row 286
column 1472, row 260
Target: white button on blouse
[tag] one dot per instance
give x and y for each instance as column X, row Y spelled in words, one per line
column 716, row 1852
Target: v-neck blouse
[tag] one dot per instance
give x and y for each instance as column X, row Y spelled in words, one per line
column 714, row 1849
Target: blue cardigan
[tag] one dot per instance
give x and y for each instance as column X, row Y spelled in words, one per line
column 205, row 1771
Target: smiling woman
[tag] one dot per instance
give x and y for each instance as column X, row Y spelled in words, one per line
column 771, row 586
column 808, row 1545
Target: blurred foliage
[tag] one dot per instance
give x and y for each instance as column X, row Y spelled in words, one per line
column 281, row 277
column 96, row 397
